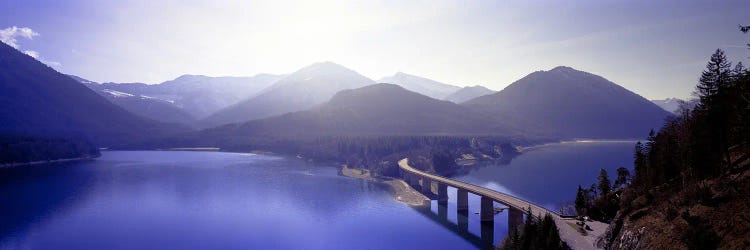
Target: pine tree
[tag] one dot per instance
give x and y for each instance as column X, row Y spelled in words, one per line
column 650, row 140
column 623, row 177
column 580, row 203
column 739, row 71
column 652, row 168
column 639, row 162
column 745, row 29
column 605, row 186
column 592, row 194
column 715, row 78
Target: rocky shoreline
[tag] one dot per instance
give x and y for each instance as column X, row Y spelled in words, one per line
column 400, row 190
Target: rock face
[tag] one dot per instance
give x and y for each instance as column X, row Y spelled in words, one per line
column 707, row 217
column 629, row 239
column 421, row 85
column 39, row 101
column 468, row 93
column 573, row 104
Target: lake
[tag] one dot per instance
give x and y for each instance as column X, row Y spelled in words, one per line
column 549, row 175
column 215, row 200
column 205, row 200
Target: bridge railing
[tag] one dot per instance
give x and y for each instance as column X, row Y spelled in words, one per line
column 478, row 190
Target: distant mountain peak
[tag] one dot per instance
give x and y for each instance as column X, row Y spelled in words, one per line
column 574, row 104
column 377, row 86
column 477, row 86
column 320, row 69
column 674, row 104
column 564, row 69
column 376, row 109
column 425, row 86
column 468, row 93
column 188, row 76
column 327, row 65
column 402, row 74
column 301, row 90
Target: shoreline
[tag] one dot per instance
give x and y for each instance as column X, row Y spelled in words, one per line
column 36, row 163
column 579, row 141
column 400, row 191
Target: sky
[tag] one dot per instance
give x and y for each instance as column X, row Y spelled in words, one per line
column 654, row 48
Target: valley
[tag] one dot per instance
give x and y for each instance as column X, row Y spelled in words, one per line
column 503, row 125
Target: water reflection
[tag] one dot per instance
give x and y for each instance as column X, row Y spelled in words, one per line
column 481, row 234
column 461, row 228
column 549, row 175
column 197, row 200
column 29, row 195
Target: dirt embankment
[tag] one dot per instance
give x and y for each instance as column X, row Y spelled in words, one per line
column 401, row 191
column 712, row 214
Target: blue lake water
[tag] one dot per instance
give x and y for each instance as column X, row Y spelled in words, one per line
column 212, row 200
column 549, row 175
column 205, row 200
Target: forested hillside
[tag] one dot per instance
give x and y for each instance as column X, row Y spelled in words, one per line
column 691, row 183
column 15, row 150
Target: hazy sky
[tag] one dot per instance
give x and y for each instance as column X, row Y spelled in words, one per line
column 654, row 49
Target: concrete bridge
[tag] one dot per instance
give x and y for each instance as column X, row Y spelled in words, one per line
column 516, row 206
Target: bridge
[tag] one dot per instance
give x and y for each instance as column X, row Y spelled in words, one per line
column 517, row 207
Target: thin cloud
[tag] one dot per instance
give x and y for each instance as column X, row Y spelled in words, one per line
column 10, row 37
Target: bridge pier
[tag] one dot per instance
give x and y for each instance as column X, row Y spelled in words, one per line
column 443, row 210
column 442, row 192
column 487, row 212
column 413, row 180
column 462, row 200
column 487, row 220
column 488, row 197
column 426, row 186
column 515, row 219
column 463, row 220
column 488, row 234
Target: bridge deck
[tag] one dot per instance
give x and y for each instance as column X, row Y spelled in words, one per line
column 574, row 239
column 503, row 198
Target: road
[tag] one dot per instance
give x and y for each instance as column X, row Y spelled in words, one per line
column 568, row 233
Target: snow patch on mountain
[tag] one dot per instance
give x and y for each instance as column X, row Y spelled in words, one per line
column 116, row 93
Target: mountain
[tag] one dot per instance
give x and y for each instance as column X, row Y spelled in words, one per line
column 36, row 100
column 300, row 90
column 573, row 104
column 468, row 93
column 199, row 96
column 421, row 85
column 381, row 109
column 146, row 106
column 370, row 127
column 673, row 104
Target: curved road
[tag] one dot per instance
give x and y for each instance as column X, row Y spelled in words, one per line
column 567, row 232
